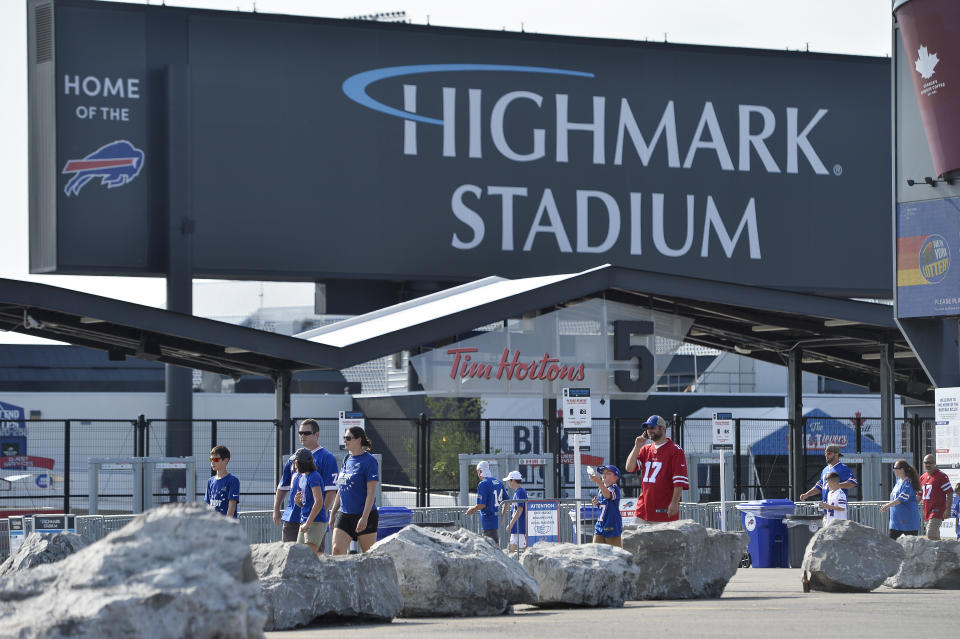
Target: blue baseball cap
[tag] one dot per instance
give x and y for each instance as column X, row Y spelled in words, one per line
column 612, row 469
column 655, row 420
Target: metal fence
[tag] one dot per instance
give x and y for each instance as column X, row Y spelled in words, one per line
column 259, row 527
column 420, row 456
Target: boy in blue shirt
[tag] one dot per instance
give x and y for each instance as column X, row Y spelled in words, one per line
column 609, row 527
column 223, row 489
column 518, row 512
column 490, row 494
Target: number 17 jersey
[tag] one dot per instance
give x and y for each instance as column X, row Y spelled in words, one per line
column 661, row 470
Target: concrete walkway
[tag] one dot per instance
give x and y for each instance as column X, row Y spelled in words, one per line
column 757, row 602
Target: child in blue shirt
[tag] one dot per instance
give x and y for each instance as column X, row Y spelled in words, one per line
column 223, row 489
column 310, row 487
column 518, row 512
column 609, row 527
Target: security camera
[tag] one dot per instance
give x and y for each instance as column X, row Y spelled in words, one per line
column 603, row 400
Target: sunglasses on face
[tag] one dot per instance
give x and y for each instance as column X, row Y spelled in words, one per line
column 305, row 432
column 214, row 459
column 347, row 438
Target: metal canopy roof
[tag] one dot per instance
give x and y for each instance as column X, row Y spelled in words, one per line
column 125, row 329
column 840, row 338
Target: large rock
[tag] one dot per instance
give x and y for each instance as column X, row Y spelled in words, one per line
column 682, row 559
column 850, row 557
column 581, row 575
column 42, row 548
column 927, row 564
column 180, row 570
column 299, row 588
column 455, row 573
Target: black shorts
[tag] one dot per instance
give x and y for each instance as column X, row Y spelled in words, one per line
column 348, row 523
column 290, row 530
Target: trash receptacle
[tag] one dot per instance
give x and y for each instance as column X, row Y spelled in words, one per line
column 763, row 521
column 588, row 520
column 392, row 520
column 800, row 530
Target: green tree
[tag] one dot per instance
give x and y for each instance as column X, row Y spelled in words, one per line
column 455, row 426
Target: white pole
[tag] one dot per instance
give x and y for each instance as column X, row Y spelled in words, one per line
column 576, row 484
column 723, row 493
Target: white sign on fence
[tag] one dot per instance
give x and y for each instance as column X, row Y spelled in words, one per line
column 543, row 521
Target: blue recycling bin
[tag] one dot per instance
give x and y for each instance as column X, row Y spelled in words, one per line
column 763, row 521
column 392, row 520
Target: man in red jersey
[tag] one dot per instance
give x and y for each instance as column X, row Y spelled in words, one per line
column 936, row 494
column 663, row 472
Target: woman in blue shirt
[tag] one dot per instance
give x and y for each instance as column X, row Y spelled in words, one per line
column 355, row 505
column 903, row 507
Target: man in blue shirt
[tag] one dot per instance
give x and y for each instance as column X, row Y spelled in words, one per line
column 490, row 494
column 832, row 454
column 327, row 466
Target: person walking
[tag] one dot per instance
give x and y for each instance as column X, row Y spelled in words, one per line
column 355, row 506
column 663, row 469
column 309, row 486
column 490, row 494
column 289, row 518
column 847, row 480
column 835, row 505
column 936, row 494
column 518, row 512
column 903, row 507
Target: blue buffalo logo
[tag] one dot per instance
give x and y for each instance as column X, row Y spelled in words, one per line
column 115, row 164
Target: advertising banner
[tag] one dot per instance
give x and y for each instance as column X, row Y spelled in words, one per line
column 928, row 242
column 931, row 37
column 540, row 356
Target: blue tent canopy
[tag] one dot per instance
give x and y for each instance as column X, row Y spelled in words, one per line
column 822, row 431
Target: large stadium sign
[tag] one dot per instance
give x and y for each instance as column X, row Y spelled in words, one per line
column 327, row 148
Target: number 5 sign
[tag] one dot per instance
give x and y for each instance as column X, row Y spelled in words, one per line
column 624, row 351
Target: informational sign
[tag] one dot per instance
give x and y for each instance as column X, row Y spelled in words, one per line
column 947, row 433
column 116, row 467
column 350, row 419
column 457, row 152
column 54, row 523
column 543, row 521
column 576, row 410
column 17, row 533
column 723, row 431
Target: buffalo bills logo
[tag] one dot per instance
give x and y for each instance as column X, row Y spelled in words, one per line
column 115, row 164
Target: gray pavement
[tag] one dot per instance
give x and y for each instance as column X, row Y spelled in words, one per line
column 757, row 602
